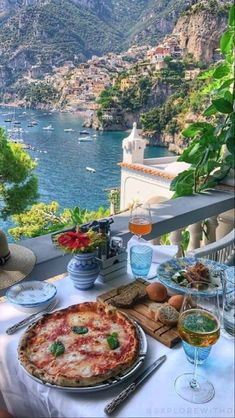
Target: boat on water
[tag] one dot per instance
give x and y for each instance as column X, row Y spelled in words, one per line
column 48, row 128
column 32, row 123
column 90, row 169
column 15, row 140
column 8, row 120
column 68, row 130
column 85, row 139
column 84, row 132
column 28, row 146
column 16, row 130
column 16, row 122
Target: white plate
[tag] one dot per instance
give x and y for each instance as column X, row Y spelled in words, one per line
column 31, row 294
column 110, row 382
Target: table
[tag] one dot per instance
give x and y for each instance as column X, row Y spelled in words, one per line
column 155, row 398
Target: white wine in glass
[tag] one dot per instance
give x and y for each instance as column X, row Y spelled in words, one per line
column 199, row 326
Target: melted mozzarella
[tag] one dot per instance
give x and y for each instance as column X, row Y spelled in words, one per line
column 86, row 371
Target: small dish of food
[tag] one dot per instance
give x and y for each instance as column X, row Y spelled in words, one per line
column 177, row 273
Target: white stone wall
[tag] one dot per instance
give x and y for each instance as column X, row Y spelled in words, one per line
column 139, row 186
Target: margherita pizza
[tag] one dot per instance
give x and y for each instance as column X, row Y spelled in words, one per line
column 81, row 345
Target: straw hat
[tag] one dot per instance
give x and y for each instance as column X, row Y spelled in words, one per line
column 16, row 262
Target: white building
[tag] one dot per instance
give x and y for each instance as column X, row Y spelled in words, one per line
column 145, row 179
column 148, row 180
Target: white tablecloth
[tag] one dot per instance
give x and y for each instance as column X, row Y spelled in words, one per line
column 155, row 398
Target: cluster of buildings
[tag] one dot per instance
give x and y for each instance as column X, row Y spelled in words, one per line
column 81, row 86
column 168, row 48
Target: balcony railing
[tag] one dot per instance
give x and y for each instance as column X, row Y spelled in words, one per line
column 168, row 217
column 173, row 215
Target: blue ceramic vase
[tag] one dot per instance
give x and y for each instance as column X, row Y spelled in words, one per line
column 83, row 270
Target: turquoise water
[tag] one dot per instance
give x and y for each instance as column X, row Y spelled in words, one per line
column 62, row 160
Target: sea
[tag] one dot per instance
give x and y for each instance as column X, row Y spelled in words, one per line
column 62, row 159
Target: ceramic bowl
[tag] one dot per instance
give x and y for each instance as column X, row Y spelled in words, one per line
column 31, row 294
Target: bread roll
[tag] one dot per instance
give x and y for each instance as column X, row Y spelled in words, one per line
column 153, row 310
column 168, row 315
column 156, row 292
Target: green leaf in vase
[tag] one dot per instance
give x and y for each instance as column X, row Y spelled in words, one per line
column 57, row 348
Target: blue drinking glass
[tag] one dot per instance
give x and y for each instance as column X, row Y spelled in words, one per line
column 203, row 353
column 140, row 260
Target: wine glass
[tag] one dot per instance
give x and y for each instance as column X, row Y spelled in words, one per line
column 140, row 222
column 199, row 326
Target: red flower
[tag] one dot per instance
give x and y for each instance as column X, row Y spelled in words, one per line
column 77, row 241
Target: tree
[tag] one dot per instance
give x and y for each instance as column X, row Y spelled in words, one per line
column 45, row 218
column 18, row 184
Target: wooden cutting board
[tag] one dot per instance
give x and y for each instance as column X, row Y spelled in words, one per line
column 165, row 334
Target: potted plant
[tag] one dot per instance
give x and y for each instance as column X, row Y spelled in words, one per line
column 83, row 268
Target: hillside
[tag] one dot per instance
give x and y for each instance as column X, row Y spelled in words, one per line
column 47, row 33
column 178, row 58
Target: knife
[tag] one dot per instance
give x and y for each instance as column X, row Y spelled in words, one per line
column 126, row 392
column 29, row 319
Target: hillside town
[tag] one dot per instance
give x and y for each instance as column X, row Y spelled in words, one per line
column 81, row 86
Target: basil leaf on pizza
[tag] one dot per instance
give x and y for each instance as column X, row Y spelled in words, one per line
column 113, row 342
column 57, row 348
column 80, row 330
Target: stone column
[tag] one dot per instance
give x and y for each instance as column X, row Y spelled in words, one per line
column 176, row 238
column 195, row 231
column 226, row 223
column 211, row 224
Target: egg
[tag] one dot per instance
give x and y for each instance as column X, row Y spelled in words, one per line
column 176, row 301
column 156, row 292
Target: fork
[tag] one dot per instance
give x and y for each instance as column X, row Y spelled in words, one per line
column 29, row 319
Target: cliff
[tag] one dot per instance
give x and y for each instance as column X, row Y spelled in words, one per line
column 200, row 28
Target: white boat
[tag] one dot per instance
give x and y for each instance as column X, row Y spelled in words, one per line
column 90, row 169
column 85, row 139
column 48, row 128
column 68, row 130
column 15, row 130
column 15, row 140
column 83, row 132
